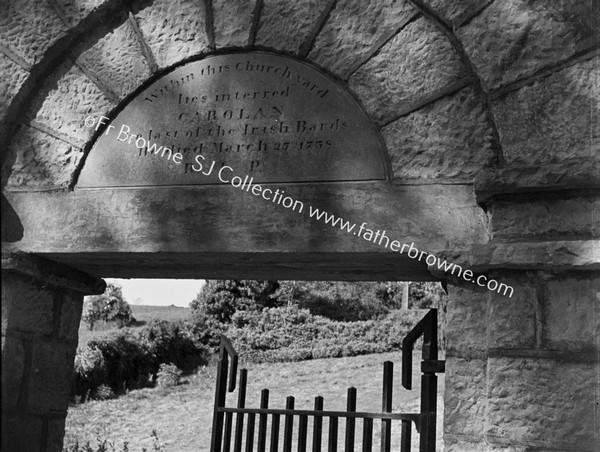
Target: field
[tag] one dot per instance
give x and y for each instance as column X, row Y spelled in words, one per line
column 142, row 314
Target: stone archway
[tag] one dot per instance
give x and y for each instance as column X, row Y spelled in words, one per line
column 492, row 164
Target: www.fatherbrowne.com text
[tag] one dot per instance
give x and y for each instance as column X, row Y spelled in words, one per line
column 226, row 175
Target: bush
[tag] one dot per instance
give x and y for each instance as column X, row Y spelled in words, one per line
column 292, row 334
column 344, row 309
column 173, row 342
column 110, row 307
column 123, row 361
column 118, row 361
column 104, row 392
column 220, row 299
column 168, row 375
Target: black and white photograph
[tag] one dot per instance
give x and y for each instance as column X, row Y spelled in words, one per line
column 309, row 225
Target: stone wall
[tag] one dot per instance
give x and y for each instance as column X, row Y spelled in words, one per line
column 522, row 373
column 41, row 310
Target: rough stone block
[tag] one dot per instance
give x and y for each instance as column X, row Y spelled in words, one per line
column 42, row 161
column 355, row 29
column 25, row 306
column 512, row 321
column 116, row 59
column 418, row 65
column 572, row 314
column 533, row 35
column 21, row 433
column 543, row 122
column 174, row 29
column 29, row 28
column 542, row 403
column 64, row 101
column 456, row 12
column 465, row 397
column 454, row 444
column 75, row 10
column 13, row 367
column 13, row 78
column 287, row 25
column 70, row 316
column 466, row 321
column 51, row 374
column 233, row 20
column 449, row 139
column 546, row 218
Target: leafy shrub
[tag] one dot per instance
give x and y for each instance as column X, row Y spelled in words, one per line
column 205, row 331
column 168, row 375
column 220, row 299
column 118, row 361
column 343, row 309
column 173, row 342
column 110, row 307
column 104, row 392
column 123, row 361
column 292, row 334
column 423, row 295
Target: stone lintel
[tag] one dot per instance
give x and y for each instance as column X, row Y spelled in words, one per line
column 52, row 273
column 574, row 174
column 564, row 255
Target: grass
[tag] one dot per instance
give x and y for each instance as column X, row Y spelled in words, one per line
column 142, row 314
column 182, row 416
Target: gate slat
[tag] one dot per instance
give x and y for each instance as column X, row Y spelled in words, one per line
column 302, row 430
column 405, row 438
column 262, row 421
column 333, row 434
column 239, row 420
column 367, row 435
column 350, row 422
column 318, row 425
column 250, row 433
column 289, row 425
column 386, row 406
column 274, row 433
column 227, row 434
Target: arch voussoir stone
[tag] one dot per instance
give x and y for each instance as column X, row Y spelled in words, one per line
column 542, row 34
column 174, row 30
column 447, row 140
column 50, row 159
column 125, row 69
column 417, row 65
column 232, row 22
column 287, row 26
column 348, row 38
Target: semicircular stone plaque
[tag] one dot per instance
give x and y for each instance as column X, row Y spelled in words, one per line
column 267, row 116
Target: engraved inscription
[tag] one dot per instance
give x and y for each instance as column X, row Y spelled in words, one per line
column 268, row 115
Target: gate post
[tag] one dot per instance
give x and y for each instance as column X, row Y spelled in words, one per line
column 427, row 327
column 41, row 310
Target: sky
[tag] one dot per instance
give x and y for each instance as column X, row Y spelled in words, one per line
column 159, row 292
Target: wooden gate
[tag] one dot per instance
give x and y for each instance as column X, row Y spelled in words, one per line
column 248, row 436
